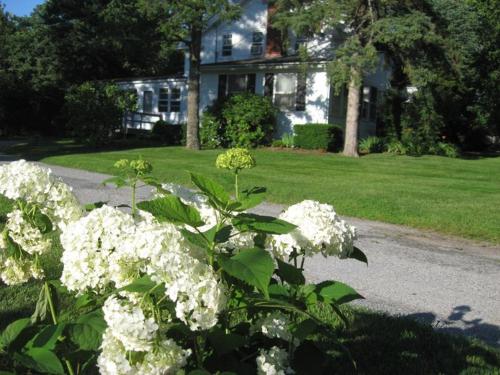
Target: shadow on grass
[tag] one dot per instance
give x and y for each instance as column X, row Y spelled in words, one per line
column 387, row 345
column 36, row 149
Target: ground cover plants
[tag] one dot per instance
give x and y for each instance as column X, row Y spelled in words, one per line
column 188, row 280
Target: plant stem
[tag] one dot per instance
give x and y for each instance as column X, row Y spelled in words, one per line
column 236, row 188
column 134, row 187
column 51, row 303
column 68, row 365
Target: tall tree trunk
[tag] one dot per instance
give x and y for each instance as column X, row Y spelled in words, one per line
column 193, row 102
column 352, row 118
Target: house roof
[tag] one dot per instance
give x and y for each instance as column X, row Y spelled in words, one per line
column 149, row 78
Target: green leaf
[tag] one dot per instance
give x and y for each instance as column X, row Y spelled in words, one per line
column 12, row 331
column 92, row 206
column 42, row 221
column 253, row 266
column 117, row 181
column 41, row 307
column 251, row 198
column 142, row 285
column 195, row 238
column 304, row 328
column 83, row 301
column 44, row 361
column 337, row 293
column 279, row 291
column 290, row 274
column 246, row 222
column 88, row 330
column 225, row 342
column 212, row 189
column 358, row 255
column 170, row 208
column 47, row 337
column 199, row 372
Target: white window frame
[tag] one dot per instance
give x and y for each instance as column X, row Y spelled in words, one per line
column 257, row 46
column 227, row 44
column 163, row 102
column 293, row 94
column 175, row 100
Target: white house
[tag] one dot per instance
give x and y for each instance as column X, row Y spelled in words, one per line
column 247, row 55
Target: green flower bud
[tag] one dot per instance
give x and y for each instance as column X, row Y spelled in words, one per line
column 141, row 166
column 235, row 159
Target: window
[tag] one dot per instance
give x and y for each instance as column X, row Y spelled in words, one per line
column 227, row 44
column 175, row 100
column 300, row 100
column 369, row 103
column 235, row 83
column 257, row 42
column 268, row 84
column 147, row 102
column 163, row 100
column 284, row 93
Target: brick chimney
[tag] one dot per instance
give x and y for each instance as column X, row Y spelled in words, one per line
column 273, row 39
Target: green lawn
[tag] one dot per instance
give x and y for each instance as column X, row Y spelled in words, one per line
column 454, row 196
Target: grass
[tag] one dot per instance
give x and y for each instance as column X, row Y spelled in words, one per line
column 379, row 344
column 453, row 196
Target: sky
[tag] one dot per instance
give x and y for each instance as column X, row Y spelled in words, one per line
column 20, row 7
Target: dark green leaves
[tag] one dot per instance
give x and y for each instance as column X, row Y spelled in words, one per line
column 253, row 266
column 249, row 199
column 290, row 274
column 141, row 285
column 47, row 337
column 41, row 360
column 170, row 208
column 358, row 255
column 336, row 292
column 88, row 330
column 12, row 331
column 225, row 342
column 212, row 189
column 246, row 222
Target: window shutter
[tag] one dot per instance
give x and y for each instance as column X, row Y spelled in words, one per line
column 221, row 92
column 300, row 101
column 251, row 83
column 268, row 84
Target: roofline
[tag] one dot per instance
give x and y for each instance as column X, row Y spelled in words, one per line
column 262, row 65
column 149, row 79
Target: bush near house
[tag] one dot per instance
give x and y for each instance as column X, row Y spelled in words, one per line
column 370, row 145
column 170, row 134
column 95, row 110
column 318, row 136
column 242, row 120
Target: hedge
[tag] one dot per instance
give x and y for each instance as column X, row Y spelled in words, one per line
column 318, row 136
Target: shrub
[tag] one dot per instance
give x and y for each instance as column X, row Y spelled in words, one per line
column 211, row 131
column 318, row 136
column 277, row 143
column 287, row 140
column 170, row 134
column 192, row 284
column 95, row 110
column 446, row 149
column 396, row 147
column 372, row 145
column 249, row 120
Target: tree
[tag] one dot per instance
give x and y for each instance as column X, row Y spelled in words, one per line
column 184, row 22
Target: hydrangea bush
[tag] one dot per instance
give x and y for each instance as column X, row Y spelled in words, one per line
column 189, row 282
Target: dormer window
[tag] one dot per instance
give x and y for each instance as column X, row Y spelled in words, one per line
column 227, row 44
column 257, row 43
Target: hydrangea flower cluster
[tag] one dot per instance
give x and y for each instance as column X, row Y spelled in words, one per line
column 235, row 159
column 274, row 325
column 319, row 230
column 27, row 236
column 37, row 185
column 273, row 362
column 165, row 357
column 17, row 271
column 127, row 324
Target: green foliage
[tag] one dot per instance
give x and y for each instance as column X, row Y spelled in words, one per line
column 288, row 140
column 95, row 110
column 370, row 145
column 242, row 120
column 318, row 136
column 249, row 120
column 169, row 134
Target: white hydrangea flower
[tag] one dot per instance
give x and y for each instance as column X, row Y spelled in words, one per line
column 27, row 236
column 165, row 358
column 88, row 245
column 37, row 185
column 273, row 362
column 192, row 285
column 274, row 325
column 18, row 271
column 319, row 230
column 128, row 324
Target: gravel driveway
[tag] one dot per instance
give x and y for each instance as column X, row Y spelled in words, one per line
column 450, row 283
